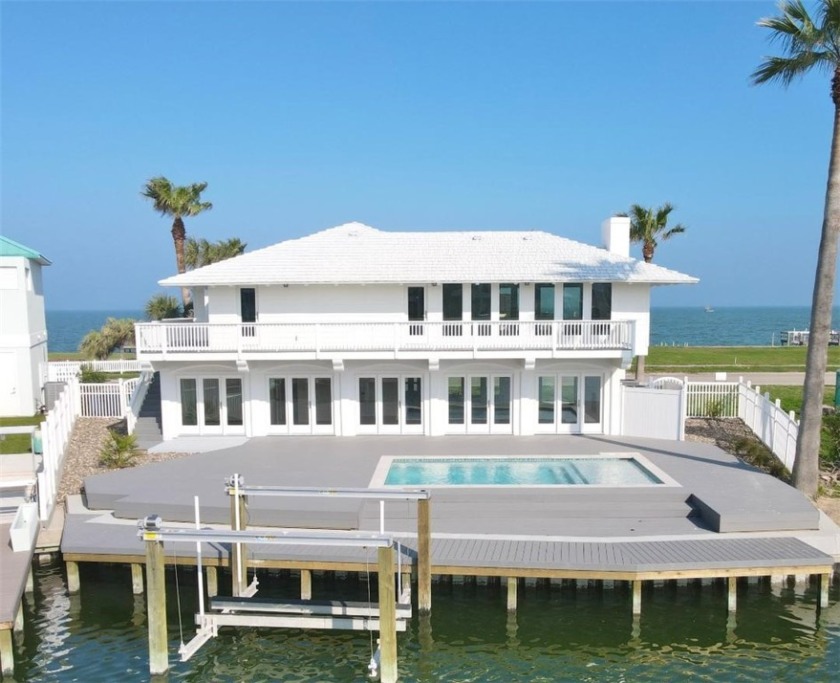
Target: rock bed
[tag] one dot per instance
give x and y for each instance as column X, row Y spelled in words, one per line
column 82, row 459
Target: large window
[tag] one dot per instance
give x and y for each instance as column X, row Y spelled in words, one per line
column 572, row 301
column 233, row 399
column 416, row 303
column 508, row 302
column 602, row 301
column 481, row 301
column 544, row 301
column 323, row 401
column 453, row 302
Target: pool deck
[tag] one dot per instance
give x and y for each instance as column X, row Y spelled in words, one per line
column 723, row 519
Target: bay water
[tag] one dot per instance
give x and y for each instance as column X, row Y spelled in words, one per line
column 558, row 634
column 680, row 326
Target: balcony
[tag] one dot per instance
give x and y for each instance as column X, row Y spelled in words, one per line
column 408, row 339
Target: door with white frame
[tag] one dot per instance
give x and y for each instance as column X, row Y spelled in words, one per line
column 390, row 404
column 480, row 404
column 300, row 405
column 211, row 405
column 570, row 403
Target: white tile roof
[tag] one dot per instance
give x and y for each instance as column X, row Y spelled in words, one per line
column 358, row 254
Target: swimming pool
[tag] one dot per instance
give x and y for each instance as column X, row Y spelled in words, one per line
column 540, row 471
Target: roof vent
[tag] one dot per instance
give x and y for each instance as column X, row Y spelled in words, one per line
column 476, row 238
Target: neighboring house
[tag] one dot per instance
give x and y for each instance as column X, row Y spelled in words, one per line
column 23, row 329
column 358, row 331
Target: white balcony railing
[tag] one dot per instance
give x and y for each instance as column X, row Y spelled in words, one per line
column 164, row 338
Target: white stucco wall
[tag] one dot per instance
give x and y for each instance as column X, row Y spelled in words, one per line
column 632, row 302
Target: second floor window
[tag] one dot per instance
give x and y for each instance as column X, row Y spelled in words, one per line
column 453, row 302
column 544, row 301
column 481, row 301
column 508, row 302
column 602, row 301
column 572, row 301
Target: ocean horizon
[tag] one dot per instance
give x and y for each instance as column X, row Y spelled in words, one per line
column 670, row 325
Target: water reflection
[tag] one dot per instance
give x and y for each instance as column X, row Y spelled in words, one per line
column 560, row 632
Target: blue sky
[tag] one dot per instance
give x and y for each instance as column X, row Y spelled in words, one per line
column 407, row 116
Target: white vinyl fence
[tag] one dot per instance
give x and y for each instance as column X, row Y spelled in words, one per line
column 109, row 399
column 61, row 371
column 55, row 435
column 775, row 428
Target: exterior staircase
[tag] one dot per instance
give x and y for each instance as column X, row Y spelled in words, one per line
column 148, row 428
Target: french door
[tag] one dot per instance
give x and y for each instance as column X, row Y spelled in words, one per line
column 211, row 405
column 569, row 404
column 391, row 405
column 480, row 404
column 300, row 405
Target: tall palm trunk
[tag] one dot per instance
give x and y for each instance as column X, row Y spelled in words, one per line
column 806, row 466
column 647, row 251
column 179, row 237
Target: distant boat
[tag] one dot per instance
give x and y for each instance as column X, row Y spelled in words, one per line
column 709, row 309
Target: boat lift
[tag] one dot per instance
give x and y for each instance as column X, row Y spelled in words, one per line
column 244, row 609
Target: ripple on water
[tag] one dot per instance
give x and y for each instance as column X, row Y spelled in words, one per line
column 557, row 635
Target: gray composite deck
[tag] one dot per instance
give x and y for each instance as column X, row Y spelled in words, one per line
column 14, row 570
column 486, row 530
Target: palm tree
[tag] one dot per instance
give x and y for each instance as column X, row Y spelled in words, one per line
column 648, row 225
column 177, row 201
column 200, row 252
column 812, row 45
column 162, row 306
column 100, row 344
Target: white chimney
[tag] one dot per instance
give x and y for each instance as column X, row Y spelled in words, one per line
column 615, row 232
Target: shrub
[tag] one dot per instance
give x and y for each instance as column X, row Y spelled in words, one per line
column 830, row 440
column 87, row 375
column 714, row 408
column 119, row 450
column 757, row 454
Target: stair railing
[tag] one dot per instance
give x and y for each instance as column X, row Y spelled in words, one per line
column 135, row 403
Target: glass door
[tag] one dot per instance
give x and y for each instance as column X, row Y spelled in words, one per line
column 300, row 405
column 212, row 405
column 569, row 404
column 391, row 405
column 480, row 404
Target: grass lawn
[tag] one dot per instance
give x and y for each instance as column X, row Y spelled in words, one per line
column 791, row 397
column 18, row 443
column 75, row 355
column 687, row 359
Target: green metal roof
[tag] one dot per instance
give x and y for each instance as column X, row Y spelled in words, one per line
column 11, row 248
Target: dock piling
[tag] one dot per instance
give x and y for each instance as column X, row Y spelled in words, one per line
column 158, row 635
column 824, row 581
column 512, row 586
column 305, row 584
column 424, row 560
column 7, row 653
column 30, row 581
column 637, row 597
column 137, row 579
column 732, row 593
column 387, row 616
column 212, row 581
column 73, row 583
column 18, row 627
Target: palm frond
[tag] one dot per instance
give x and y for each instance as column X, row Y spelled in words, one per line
column 788, row 69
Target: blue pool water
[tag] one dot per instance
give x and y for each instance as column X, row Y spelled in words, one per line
column 544, row 471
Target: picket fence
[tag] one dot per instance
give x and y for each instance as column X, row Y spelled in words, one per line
column 55, row 436
column 775, row 428
column 109, row 399
column 61, row 371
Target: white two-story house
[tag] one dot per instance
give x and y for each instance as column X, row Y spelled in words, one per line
column 23, row 329
column 354, row 330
